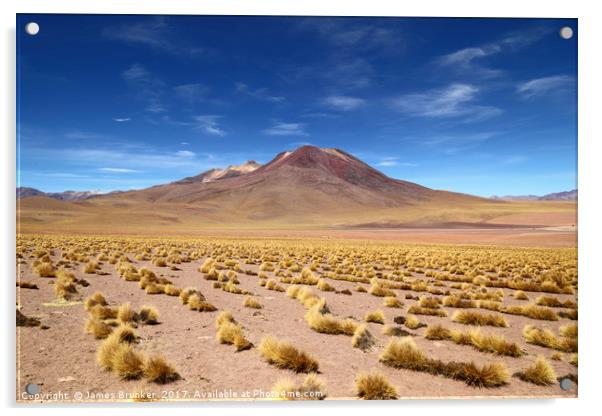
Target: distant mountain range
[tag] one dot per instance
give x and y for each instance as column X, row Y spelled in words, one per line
column 24, row 192
column 306, row 187
column 556, row 196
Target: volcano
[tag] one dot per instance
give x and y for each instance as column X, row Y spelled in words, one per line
column 307, row 186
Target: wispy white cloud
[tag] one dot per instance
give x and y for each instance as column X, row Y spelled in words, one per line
column 286, row 129
column 390, row 161
column 343, row 102
column 453, row 101
column 542, row 86
column 209, row 124
column 191, row 92
column 258, row 93
column 118, row 170
column 185, row 153
column 153, row 32
column 469, row 61
column 147, row 87
column 121, row 119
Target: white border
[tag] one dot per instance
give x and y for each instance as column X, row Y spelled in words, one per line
column 590, row 160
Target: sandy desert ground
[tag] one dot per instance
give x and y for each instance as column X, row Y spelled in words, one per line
column 58, row 355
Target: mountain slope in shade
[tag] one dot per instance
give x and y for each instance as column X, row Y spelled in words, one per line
column 25, row 192
column 557, row 196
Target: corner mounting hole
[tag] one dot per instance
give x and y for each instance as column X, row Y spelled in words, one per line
column 566, row 32
column 32, row 28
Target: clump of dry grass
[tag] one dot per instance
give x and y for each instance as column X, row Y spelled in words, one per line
column 362, row 338
column 156, row 369
column 283, row 354
column 273, row 285
column 196, row 302
column 405, row 354
column 574, row 359
column 490, row 305
column 520, row 295
column 252, row 303
column 230, row 332
column 312, row 388
column 125, row 314
column 392, row 302
column 96, row 299
column 124, row 333
column 374, row 386
column 454, row 301
column 324, row 286
column 492, row 343
column 106, row 351
column 188, row 292
column 326, row 323
column 479, row 319
column 554, row 302
column 394, row 331
column 532, row 311
column 570, row 331
column 429, row 302
column 97, row 328
column 127, row 362
column 91, row 267
column 557, row 356
column 412, row 322
column 540, row 373
column 360, row 288
column 103, row 312
column 377, row 317
column 172, row 290
column 149, row 315
column 380, row 291
column 546, row 338
column 419, row 310
column 45, row 270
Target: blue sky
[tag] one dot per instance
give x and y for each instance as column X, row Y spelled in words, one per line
column 482, row 106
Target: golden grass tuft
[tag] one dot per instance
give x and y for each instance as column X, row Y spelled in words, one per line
column 429, row 302
column 106, row 351
column 405, row 354
column 124, row 333
column 324, row 286
column 127, row 362
column 103, row 312
column 392, row 302
column 479, row 319
column 45, row 270
column 125, row 313
column 97, row 328
column 172, row 290
column 362, row 338
column 377, row 317
column 378, row 290
column 283, row 354
column 546, row 338
column 419, row 310
column 374, row 386
column 156, row 369
column 96, row 299
column 532, row 311
column 312, row 388
column 229, row 332
column 326, row 323
column 412, row 322
column 149, row 315
column 520, row 295
column 197, row 303
column 252, row 303
column 454, row 301
column 540, row 373
column 189, row 291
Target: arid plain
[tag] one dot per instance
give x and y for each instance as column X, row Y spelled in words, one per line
column 314, row 276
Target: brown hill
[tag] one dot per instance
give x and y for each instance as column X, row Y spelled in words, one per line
column 309, row 187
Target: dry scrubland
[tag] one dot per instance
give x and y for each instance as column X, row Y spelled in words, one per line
column 335, row 319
